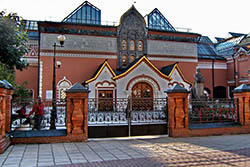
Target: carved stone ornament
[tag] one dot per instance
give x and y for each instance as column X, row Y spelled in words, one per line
column 198, row 88
column 198, row 77
column 133, row 29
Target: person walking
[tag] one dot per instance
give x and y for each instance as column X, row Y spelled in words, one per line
column 21, row 113
column 38, row 109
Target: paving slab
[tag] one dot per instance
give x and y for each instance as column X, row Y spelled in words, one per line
column 160, row 151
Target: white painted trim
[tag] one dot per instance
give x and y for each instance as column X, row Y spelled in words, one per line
column 101, row 56
column 41, row 79
column 230, row 61
column 230, row 82
column 237, row 54
column 30, row 60
column 244, row 80
column 64, row 79
column 243, row 59
column 209, row 66
column 172, row 59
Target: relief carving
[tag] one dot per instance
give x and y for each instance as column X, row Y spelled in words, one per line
column 77, row 117
column 2, row 118
column 179, row 114
column 69, row 116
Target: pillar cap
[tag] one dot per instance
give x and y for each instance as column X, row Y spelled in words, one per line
column 5, row 84
column 242, row 88
column 77, row 88
column 177, row 89
column 8, row 85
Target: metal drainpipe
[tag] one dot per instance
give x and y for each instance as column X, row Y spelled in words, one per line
column 38, row 71
column 213, row 75
column 234, row 71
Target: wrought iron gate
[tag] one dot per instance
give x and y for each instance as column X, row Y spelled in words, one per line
column 127, row 116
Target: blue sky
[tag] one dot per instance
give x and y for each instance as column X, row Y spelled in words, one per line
column 214, row 18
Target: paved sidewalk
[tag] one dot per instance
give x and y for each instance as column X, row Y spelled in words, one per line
column 230, row 151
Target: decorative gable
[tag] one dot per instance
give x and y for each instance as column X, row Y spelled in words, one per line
column 104, row 71
column 174, row 72
column 143, row 60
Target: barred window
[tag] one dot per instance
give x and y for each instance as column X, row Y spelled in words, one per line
column 132, row 45
column 140, row 45
column 124, row 45
column 124, row 60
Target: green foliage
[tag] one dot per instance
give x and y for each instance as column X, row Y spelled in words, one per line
column 20, row 91
column 7, row 74
column 13, row 41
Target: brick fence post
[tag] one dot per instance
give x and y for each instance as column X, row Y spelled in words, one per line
column 177, row 111
column 242, row 94
column 5, row 111
column 77, row 111
column 10, row 91
column 8, row 109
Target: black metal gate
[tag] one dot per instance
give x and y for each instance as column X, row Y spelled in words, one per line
column 127, row 117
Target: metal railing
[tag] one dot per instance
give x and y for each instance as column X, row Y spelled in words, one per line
column 121, row 111
column 20, row 123
column 214, row 111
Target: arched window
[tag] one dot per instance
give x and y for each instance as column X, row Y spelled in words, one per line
column 62, row 86
column 132, row 45
column 140, row 45
column 124, row 60
column 124, row 45
column 132, row 58
column 142, row 96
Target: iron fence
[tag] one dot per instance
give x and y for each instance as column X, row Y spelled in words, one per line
column 121, row 111
column 214, row 111
column 20, row 123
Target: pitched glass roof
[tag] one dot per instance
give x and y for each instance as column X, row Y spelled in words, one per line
column 31, row 25
column 86, row 13
column 157, row 21
column 206, row 49
column 218, row 39
column 233, row 34
column 32, row 28
column 205, row 39
column 227, row 48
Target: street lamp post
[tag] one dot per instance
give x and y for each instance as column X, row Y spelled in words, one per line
column 61, row 39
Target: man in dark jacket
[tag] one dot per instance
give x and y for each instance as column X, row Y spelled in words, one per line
column 38, row 109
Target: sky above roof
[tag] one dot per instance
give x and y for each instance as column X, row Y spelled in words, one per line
column 214, row 18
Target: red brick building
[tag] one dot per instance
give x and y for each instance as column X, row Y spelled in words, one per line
column 138, row 57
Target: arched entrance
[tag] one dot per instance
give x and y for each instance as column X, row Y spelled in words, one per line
column 220, row 92
column 142, row 96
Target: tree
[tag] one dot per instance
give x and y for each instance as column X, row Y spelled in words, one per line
column 13, row 39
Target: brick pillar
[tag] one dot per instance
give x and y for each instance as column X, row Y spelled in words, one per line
column 4, row 141
column 242, row 94
column 177, row 111
column 77, row 112
column 8, row 109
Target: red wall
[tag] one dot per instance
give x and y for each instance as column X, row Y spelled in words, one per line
column 30, row 75
column 75, row 69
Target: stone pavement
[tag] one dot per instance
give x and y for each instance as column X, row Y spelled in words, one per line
column 157, row 151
